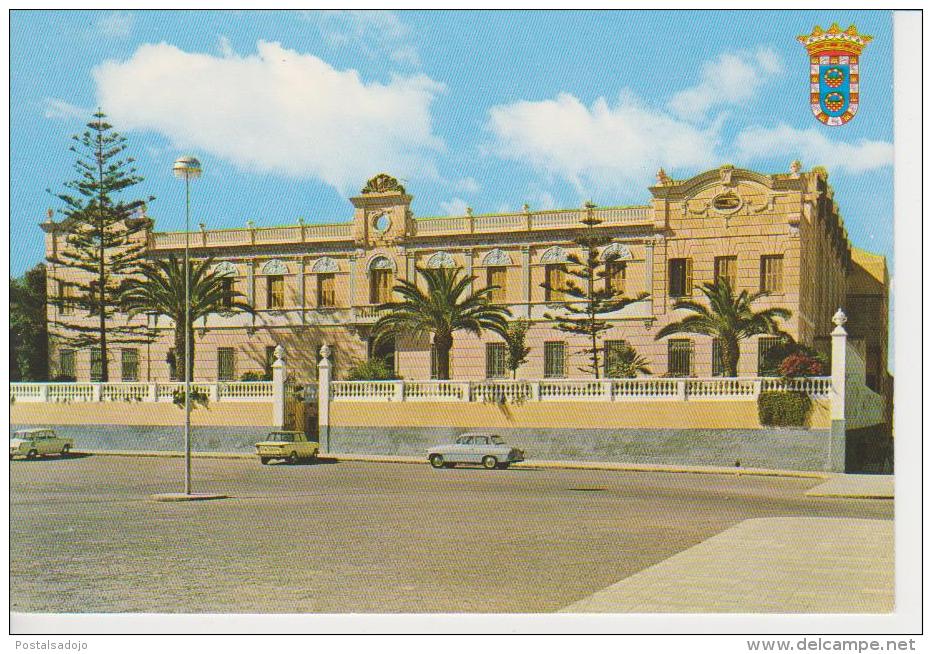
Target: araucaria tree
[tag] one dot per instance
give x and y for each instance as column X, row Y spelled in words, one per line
column 103, row 243
column 588, row 287
column 444, row 307
column 728, row 318
column 160, row 289
column 516, row 342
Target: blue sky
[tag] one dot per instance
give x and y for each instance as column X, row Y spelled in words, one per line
column 291, row 112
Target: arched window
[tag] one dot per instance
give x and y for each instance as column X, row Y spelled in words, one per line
column 381, row 277
column 441, row 260
column 325, row 265
column 556, row 254
column 225, row 269
column 617, row 251
column 380, row 262
column 275, row 267
column 497, row 257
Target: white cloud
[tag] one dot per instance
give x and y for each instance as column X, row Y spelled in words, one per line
column 277, row 111
column 813, row 148
column 116, row 25
column 730, row 78
column 374, row 33
column 454, row 207
column 58, row 109
column 467, row 185
column 602, row 147
column 225, row 47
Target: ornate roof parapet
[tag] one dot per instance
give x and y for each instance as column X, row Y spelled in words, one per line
column 383, row 183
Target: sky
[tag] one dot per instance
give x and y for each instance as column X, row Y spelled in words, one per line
column 291, row 112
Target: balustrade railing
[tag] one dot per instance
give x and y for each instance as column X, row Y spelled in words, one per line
column 139, row 391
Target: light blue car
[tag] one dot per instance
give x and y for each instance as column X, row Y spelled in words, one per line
column 488, row 450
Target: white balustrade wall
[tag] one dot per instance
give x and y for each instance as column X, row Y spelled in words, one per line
column 232, row 391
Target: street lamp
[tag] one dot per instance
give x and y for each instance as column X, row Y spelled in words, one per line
column 189, row 168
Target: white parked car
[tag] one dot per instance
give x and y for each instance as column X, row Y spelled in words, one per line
column 31, row 443
column 488, row 450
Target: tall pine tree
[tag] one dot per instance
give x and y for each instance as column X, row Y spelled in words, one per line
column 104, row 243
column 589, row 291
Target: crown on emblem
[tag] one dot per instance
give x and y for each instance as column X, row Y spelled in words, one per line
column 834, row 40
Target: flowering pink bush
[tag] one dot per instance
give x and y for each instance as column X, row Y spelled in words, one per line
column 801, row 365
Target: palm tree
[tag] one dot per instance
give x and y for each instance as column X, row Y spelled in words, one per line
column 727, row 318
column 161, row 289
column 447, row 306
column 627, row 363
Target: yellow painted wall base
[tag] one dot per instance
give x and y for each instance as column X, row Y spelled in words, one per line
column 695, row 414
column 244, row 414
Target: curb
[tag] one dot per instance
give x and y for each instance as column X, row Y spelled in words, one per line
column 552, row 465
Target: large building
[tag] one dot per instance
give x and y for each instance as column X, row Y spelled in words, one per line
column 323, row 283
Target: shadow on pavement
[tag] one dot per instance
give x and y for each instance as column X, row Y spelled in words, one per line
column 54, row 457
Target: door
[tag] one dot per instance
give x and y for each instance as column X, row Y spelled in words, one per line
column 459, row 452
column 45, row 444
column 478, row 449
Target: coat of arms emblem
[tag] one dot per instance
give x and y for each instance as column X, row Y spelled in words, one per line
column 834, row 72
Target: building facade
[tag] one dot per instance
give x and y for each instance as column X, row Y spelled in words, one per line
column 323, row 283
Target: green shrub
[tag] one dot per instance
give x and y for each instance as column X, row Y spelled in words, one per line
column 198, row 398
column 784, row 408
column 372, row 369
column 256, row 376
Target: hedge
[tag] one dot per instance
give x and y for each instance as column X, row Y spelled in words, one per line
column 784, row 408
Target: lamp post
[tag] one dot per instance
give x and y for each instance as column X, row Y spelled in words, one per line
column 189, row 168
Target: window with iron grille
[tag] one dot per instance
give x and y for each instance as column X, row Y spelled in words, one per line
column 66, row 294
column 97, row 365
column 555, row 359
column 764, row 345
column 434, row 362
column 679, row 357
column 226, row 365
column 326, row 290
column 726, row 268
column 226, row 290
column 612, row 355
column 380, row 286
column 495, row 355
column 129, row 360
column 66, row 363
column 555, row 274
column 681, row 277
column 771, row 273
column 718, row 360
column 276, row 291
column 496, row 277
column 615, row 273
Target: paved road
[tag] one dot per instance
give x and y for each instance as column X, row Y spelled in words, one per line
column 362, row 537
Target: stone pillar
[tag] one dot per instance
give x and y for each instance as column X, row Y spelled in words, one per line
column 278, row 388
column 323, row 398
column 302, row 265
column 526, row 276
column 153, row 394
column 251, row 282
column 649, row 272
column 836, row 462
column 469, row 263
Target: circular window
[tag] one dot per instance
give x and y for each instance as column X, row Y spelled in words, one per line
column 726, row 202
column 382, row 223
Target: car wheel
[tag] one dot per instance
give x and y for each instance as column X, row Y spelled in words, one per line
column 264, row 460
column 66, row 450
column 436, row 460
column 293, row 458
column 31, row 454
column 313, row 457
column 489, row 462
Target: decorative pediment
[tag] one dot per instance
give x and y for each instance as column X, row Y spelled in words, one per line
column 225, row 269
column 383, row 183
column 325, row 265
column 556, row 254
column 497, row 257
column 441, row 260
column 380, row 262
column 617, row 252
column 275, row 267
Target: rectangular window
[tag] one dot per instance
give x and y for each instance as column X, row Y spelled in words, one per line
column 771, row 274
column 97, row 365
column 681, row 277
column 679, row 357
column 495, row 354
column 555, row 359
column 172, row 365
column 66, row 295
column 555, row 274
column 226, row 286
column 496, row 276
column 615, row 272
column 66, row 364
column 718, row 362
column 129, row 365
column 380, row 286
column 226, row 366
column 764, row 345
column 275, row 297
column 612, row 356
column 326, row 290
column 726, row 268
column 434, row 362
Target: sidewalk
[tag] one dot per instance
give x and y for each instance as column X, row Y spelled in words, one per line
column 766, row 565
column 874, row 487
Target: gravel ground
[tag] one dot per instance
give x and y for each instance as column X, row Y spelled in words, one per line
column 362, row 537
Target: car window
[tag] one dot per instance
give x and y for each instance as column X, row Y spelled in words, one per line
column 498, row 440
column 280, row 436
column 481, row 440
column 464, row 440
